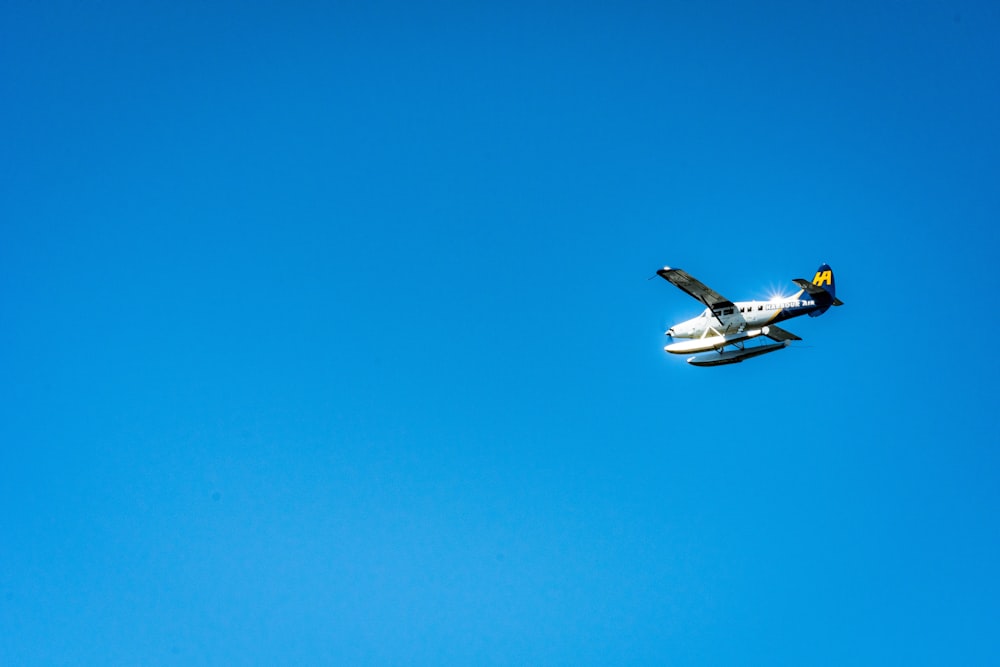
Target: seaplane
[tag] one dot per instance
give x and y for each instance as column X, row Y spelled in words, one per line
column 723, row 329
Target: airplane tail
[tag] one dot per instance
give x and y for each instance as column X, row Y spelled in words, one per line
column 822, row 289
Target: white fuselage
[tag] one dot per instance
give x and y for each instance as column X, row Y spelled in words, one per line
column 743, row 315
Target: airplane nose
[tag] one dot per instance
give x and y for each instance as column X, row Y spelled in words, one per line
column 670, row 332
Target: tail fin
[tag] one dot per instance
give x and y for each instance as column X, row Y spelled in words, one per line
column 822, row 289
column 824, row 279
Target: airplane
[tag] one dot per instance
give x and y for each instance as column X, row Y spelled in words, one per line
column 725, row 323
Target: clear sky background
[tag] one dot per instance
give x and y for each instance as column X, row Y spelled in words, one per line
column 326, row 335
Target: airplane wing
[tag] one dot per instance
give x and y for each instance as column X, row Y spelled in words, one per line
column 780, row 335
column 694, row 287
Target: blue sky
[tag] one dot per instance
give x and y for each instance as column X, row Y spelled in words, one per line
column 327, row 337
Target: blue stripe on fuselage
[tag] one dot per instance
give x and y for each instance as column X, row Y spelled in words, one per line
column 779, row 309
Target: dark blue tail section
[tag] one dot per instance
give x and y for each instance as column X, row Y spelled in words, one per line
column 824, row 279
column 823, row 290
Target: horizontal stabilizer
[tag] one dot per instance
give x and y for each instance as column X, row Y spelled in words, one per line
column 813, row 290
column 817, row 291
column 780, row 335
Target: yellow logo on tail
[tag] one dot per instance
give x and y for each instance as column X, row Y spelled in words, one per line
column 823, row 278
